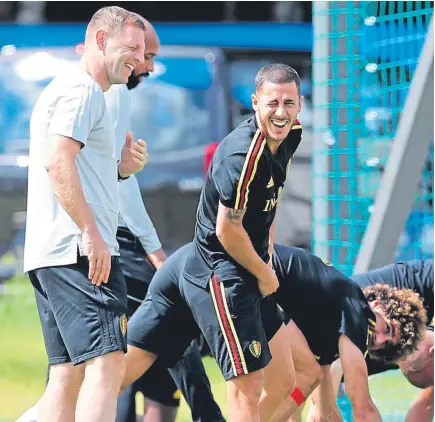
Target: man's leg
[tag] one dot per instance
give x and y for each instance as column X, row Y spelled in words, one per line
column 126, row 408
column 279, row 375
column 324, row 399
column 190, row 376
column 243, row 395
column 308, row 374
column 58, row 402
column 228, row 314
column 91, row 323
column 103, row 376
column 162, row 326
column 162, row 397
column 158, row 412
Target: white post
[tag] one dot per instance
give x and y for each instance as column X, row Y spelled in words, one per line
column 402, row 174
column 321, row 119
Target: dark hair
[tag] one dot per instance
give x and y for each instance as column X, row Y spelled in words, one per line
column 404, row 308
column 277, row 73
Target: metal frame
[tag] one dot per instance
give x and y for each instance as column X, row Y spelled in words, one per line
column 320, row 162
column 403, row 171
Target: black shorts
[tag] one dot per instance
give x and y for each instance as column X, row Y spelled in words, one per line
column 228, row 315
column 163, row 324
column 157, row 385
column 80, row 321
column 137, row 270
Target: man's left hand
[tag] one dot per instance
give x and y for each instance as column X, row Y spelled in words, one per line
column 134, row 156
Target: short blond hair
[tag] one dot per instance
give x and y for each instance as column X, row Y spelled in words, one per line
column 113, row 19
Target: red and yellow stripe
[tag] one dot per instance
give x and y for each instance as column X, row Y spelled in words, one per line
column 296, row 125
column 249, row 169
column 226, row 324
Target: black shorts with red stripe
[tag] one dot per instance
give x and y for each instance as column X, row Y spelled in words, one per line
column 235, row 321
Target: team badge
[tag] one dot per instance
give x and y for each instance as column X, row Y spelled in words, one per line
column 255, row 348
column 123, row 324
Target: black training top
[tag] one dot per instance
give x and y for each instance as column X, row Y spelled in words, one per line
column 322, row 301
column 244, row 174
column 415, row 275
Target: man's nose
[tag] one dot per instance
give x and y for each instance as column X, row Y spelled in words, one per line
column 150, row 65
column 381, row 339
column 279, row 111
column 139, row 57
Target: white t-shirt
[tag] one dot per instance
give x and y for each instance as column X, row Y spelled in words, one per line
column 133, row 213
column 71, row 105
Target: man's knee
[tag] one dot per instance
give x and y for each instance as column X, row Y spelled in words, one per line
column 65, row 380
column 308, row 379
column 66, row 374
column 248, row 387
column 110, row 367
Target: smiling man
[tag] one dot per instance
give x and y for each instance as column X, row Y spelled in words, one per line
column 72, row 214
column 228, row 273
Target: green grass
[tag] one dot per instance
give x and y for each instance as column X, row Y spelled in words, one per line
column 23, row 364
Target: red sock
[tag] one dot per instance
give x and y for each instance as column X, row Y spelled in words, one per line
column 297, row 396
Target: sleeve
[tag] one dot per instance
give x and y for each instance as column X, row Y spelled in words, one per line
column 354, row 323
column 118, row 105
column 75, row 112
column 233, row 177
column 135, row 215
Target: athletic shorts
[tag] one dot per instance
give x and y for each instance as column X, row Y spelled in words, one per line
column 137, row 270
column 176, row 311
column 80, row 321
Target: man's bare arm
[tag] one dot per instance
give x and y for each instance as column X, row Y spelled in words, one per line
column 324, row 405
column 157, row 258
column 356, row 378
column 235, row 240
column 62, row 171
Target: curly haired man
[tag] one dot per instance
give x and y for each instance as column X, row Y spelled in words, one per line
column 418, row 368
column 333, row 317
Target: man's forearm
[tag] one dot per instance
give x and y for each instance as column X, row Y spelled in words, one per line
column 157, row 258
column 366, row 413
column 66, row 184
column 238, row 244
column 422, row 409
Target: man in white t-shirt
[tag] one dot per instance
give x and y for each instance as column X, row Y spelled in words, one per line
column 72, row 218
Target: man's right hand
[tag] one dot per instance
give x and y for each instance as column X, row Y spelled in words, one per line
column 268, row 284
column 99, row 256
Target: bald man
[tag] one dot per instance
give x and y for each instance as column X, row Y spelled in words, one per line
column 138, row 251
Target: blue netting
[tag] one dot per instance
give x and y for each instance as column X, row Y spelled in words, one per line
column 374, row 50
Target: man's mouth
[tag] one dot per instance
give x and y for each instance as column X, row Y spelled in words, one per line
column 130, row 67
column 279, row 123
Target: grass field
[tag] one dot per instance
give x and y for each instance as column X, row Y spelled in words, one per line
column 23, row 364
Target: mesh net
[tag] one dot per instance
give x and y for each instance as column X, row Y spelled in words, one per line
column 373, row 51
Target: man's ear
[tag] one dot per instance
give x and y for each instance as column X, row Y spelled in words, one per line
column 101, row 39
column 254, row 99
column 301, row 100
